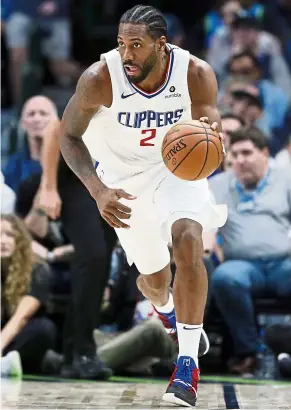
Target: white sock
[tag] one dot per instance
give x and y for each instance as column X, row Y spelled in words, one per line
column 189, row 339
column 168, row 307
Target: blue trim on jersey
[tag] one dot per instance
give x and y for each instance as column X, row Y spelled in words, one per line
column 154, row 94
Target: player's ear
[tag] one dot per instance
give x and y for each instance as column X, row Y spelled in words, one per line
column 162, row 43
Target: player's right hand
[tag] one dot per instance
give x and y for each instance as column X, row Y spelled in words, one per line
column 50, row 202
column 111, row 209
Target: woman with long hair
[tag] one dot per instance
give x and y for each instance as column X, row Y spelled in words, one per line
column 25, row 289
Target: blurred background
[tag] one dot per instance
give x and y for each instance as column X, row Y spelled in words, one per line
column 46, row 45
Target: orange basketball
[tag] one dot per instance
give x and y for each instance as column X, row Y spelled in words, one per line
column 192, row 150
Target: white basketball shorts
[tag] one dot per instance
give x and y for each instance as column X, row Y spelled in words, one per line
column 161, row 200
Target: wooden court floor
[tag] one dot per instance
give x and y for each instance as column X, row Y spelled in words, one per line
column 133, row 394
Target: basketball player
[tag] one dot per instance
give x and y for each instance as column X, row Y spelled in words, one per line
column 122, row 109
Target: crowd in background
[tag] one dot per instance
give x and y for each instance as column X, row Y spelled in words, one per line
column 109, row 326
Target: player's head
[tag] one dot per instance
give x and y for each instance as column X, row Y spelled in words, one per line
column 249, row 151
column 141, row 40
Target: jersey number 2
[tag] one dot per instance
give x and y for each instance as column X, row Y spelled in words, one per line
column 152, row 134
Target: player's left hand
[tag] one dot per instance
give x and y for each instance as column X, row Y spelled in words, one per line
column 214, row 127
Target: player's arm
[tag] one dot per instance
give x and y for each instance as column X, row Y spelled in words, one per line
column 49, row 198
column 202, row 86
column 93, row 90
column 84, row 104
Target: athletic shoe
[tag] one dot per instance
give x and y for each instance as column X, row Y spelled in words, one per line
column 169, row 322
column 11, row 365
column 182, row 389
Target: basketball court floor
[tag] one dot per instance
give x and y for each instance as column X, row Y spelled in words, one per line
column 214, row 393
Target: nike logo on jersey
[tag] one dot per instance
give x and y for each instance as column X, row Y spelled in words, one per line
column 127, row 95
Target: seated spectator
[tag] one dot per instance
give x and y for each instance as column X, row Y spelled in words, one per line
column 223, row 16
column 135, row 350
column 175, row 31
column 246, row 66
column 246, row 102
column 24, row 294
column 230, row 122
column 7, row 197
column 245, row 34
column 283, row 158
column 36, row 114
column 49, row 240
column 255, row 240
column 53, row 18
column 283, row 27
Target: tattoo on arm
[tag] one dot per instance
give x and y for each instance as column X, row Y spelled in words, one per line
column 78, row 113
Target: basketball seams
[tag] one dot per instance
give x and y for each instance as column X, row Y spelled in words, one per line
column 198, row 126
column 203, row 133
column 206, row 158
column 206, row 153
column 188, row 153
column 185, row 135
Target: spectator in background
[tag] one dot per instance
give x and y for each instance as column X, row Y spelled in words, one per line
column 62, row 195
column 25, row 290
column 246, row 66
column 36, row 114
column 256, row 240
column 230, row 122
column 223, row 16
column 246, row 100
column 245, row 35
column 7, row 197
column 175, row 31
column 283, row 158
column 49, row 240
column 52, row 16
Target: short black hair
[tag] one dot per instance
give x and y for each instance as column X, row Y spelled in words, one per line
column 151, row 17
column 230, row 115
column 243, row 54
column 249, row 133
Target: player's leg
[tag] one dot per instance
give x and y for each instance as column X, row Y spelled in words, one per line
column 190, row 293
column 185, row 210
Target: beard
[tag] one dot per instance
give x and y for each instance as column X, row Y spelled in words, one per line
column 147, row 67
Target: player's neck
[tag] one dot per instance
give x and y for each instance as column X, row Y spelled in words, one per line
column 157, row 76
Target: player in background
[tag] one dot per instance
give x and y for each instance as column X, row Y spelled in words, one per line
column 122, row 108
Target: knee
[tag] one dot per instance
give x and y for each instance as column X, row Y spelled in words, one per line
column 187, row 242
column 154, row 282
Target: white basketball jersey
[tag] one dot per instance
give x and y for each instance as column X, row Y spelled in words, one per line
column 126, row 138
